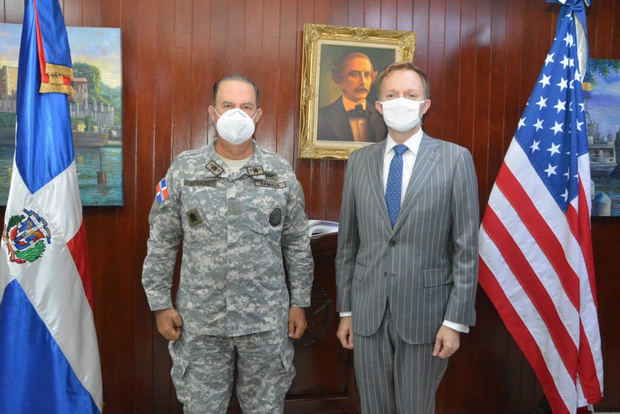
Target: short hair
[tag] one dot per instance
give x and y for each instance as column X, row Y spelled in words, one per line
column 337, row 69
column 236, row 77
column 402, row 66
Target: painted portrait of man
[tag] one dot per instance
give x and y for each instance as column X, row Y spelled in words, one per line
column 352, row 116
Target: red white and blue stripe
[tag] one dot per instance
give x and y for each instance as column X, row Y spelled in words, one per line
column 49, row 357
column 536, row 260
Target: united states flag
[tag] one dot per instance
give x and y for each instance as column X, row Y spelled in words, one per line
column 536, row 261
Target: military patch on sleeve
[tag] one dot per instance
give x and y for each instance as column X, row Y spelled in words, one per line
column 215, row 168
column 209, row 182
column 252, row 171
column 270, row 184
column 193, row 217
column 161, row 191
column 275, row 217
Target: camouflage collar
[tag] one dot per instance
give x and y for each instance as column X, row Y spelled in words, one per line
column 214, row 163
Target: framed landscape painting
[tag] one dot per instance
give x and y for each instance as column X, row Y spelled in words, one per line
column 602, row 99
column 95, row 107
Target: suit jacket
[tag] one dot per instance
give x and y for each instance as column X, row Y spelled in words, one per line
column 425, row 268
column 334, row 123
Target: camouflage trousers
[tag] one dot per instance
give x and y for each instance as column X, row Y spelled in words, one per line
column 203, row 370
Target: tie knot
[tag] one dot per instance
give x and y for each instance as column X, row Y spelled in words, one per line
column 400, row 149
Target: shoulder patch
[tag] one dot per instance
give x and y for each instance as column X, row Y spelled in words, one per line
column 161, row 191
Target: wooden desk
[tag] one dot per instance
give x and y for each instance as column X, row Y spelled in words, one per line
column 325, row 380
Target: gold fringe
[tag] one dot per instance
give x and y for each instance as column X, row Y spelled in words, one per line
column 56, row 80
column 52, row 69
column 53, row 88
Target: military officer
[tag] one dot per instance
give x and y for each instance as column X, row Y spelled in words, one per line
column 239, row 211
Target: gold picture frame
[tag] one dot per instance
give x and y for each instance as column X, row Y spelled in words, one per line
column 322, row 104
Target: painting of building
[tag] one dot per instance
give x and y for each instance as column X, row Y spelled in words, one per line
column 602, row 97
column 95, row 109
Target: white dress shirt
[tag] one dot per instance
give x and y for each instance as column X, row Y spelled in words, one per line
column 358, row 125
column 409, row 157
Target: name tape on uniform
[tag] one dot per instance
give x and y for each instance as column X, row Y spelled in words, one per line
column 270, row 184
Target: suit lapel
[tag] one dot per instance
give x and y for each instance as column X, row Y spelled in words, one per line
column 425, row 163
column 341, row 125
column 376, row 179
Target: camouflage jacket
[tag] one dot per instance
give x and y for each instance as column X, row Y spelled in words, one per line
column 238, row 229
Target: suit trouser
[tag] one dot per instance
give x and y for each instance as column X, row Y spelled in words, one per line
column 394, row 376
column 203, row 371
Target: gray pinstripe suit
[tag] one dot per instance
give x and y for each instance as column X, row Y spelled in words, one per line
column 422, row 271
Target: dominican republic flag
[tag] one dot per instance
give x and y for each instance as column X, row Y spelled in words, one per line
column 161, row 191
column 49, row 358
column 536, row 261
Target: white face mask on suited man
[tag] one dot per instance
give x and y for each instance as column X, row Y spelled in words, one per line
column 402, row 114
column 235, row 126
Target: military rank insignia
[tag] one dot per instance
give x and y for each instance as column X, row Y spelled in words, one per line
column 161, row 191
column 26, row 237
column 193, row 217
column 252, row 171
column 215, row 168
column 275, row 218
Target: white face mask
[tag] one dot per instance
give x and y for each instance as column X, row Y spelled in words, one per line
column 402, row 114
column 235, row 126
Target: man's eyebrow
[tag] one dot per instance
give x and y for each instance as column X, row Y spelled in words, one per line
column 243, row 103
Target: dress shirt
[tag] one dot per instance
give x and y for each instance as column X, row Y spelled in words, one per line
column 409, row 157
column 359, row 126
column 413, row 143
column 349, row 105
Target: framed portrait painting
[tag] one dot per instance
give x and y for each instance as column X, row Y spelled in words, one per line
column 338, row 94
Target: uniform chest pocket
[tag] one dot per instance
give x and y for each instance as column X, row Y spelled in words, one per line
column 266, row 211
column 269, row 222
column 196, row 224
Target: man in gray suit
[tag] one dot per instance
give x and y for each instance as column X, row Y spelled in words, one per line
column 407, row 261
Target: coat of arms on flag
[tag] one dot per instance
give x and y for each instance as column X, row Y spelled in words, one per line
column 25, row 237
column 49, row 354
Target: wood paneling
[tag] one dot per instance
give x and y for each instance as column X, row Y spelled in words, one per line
column 482, row 58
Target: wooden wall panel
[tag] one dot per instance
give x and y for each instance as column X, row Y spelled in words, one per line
column 482, row 58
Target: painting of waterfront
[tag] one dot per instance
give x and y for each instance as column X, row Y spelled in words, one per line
column 96, row 111
column 602, row 97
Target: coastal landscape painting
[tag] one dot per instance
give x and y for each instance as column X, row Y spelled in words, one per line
column 602, row 98
column 95, row 107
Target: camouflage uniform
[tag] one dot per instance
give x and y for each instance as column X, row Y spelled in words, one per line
column 236, row 227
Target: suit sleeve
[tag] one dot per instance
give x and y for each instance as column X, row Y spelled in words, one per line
column 348, row 239
column 464, row 239
column 162, row 247
column 296, row 248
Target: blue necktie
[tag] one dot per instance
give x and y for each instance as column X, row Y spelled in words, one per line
column 394, row 183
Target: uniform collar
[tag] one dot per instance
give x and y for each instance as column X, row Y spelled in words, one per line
column 256, row 160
